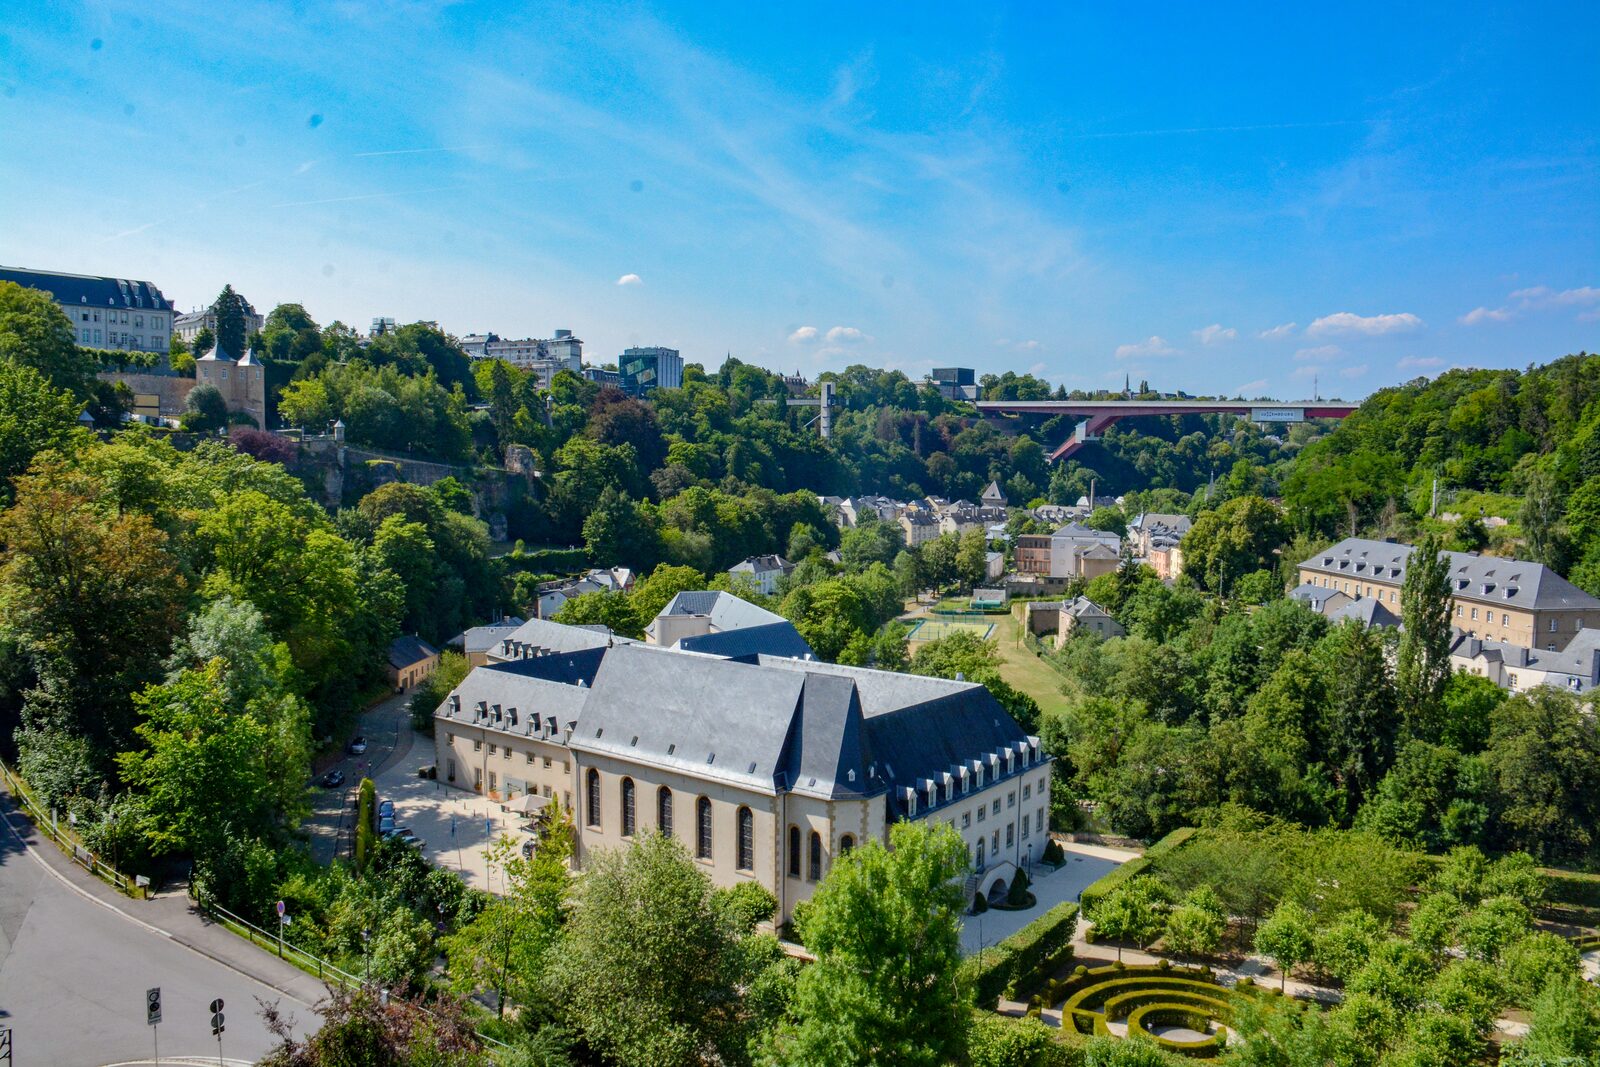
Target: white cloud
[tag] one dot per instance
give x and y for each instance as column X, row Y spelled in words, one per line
column 1420, row 363
column 1354, row 372
column 1306, row 371
column 1481, row 314
column 1037, row 370
column 1526, row 295
column 1251, row 388
column 307, row 165
column 630, row 279
column 1582, row 297
column 1348, row 322
column 1029, row 346
column 1153, row 346
column 1306, row 355
column 1278, row 333
column 1215, row 334
column 803, row 336
column 1542, row 297
column 846, row 335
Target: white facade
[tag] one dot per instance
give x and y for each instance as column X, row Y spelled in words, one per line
column 114, row 313
column 543, row 357
column 188, row 325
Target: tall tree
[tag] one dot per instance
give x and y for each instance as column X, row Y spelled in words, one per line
column 228, row 308
column 1423, row 667
column 34, row 416
column 35, row 332
column 886, row 929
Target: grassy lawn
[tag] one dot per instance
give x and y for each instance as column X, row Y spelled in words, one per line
column 1024, row 670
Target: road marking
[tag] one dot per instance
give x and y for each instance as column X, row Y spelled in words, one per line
column 91, row 898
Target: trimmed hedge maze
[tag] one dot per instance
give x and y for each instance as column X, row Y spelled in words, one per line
column 1148, row 998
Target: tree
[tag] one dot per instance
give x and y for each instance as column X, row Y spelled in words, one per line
column 972, row 558
column 885, row 927
column 204, row 410
column 619, row 532
column 654, row 592
column 204, row 341
column 1423, row 667
column 1195, row 927
column 365, row 1027
column 997, row 1041
column 1286, row 937
column 228, row 310
column 1343, row 947
column 36, row 333
column 507, row 948
column 1565, row 1027
column 1134, row 911
column 1544, row 760
column 1534, row 961
column 1232, row 541
column 34, row 417
column 607, row 608
column 645, row 969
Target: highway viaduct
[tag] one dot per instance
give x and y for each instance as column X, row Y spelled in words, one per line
column 1095, row 415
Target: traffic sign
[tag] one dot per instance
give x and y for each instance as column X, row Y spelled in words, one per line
column 280, row 909
column 152, row 1005
column 216, row 1005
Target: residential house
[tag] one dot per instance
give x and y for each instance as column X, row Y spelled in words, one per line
column 1517, row 667
column 762, row 572
column 767, row 769
column 411, row 659
column 920, row 527
column 993, row 496
column 1077, row 551
column 1148, row 526
column 1083, row 613
column 1509, row 600
column 477, row 642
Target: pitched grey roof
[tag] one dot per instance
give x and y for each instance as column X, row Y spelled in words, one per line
column 726, row 611
column 486, row 638
column 760, row 565
column 1315, row 596
column 1579, row 662
column 1486, row 579
column 408, row 649
column 1365, row 610
column 748, row 642
column 89, row 290
column 543, row 637
column 1082, row 607
column 541, row 695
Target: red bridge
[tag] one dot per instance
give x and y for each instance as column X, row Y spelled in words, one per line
column 1096, row 415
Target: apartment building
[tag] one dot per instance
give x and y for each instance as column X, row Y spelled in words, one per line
column 1507, row 600
column 188, row 325
column 114, row 313
column 542, row 357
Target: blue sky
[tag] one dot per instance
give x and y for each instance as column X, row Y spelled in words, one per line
column 1217, row 198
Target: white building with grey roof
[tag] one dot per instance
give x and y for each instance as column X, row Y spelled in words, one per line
column 766, row 767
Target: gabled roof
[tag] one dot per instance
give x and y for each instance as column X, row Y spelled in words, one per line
column 1580, row 660
column 486, row 638
column 1365, row 610
column 545, row 636
column 409, row 649
column 749, row 642
column 726, row 611
column 89, row 290
column 761, row 565
column 993, row 492
column 1315, row 596
column 1082, row 607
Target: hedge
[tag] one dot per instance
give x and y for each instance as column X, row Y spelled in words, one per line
column 1575, row 888
column 1179, row 1015
column 366, row 801
column 1026, row 958
column 1099, row 889
column 548, row 560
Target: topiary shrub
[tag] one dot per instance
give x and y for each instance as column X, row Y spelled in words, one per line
column 1017, row 896
column 1053, row 854
column 979, row 904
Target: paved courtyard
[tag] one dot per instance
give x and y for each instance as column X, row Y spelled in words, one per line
column 455, row 825
column 1084, row 866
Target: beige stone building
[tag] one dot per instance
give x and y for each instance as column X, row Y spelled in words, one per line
column 1084, row 614
column 1496, row 599
column 242, row 382
column 767, row 768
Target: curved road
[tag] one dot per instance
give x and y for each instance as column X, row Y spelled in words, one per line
column 76, row 958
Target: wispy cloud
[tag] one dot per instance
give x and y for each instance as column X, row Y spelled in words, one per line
column 1215, row 334
column 1420, row 363
column 1246, row 128
column 307, row 165
column 1278, row 333
column 1154, row 345
column 1543, row 297
column 1480, row 315
column 1348, row 322
column 805, row 335
column 1256, row 387
column 1319, row 353
column 631, row 279
column 1353, row 372
column 847, row 335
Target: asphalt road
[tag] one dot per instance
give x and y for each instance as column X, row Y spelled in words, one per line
column 387, row 728
column 74, row 969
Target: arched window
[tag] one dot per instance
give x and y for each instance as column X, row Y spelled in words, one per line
column 794, row 852
column 702, row 837
column 664, row 811
column 594, row 798
column 815, row 870
column 846, row 843
column 627, row 807
column 747, row 840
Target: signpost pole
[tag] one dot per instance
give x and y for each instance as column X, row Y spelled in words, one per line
column 152, row 1016
column 280, row 929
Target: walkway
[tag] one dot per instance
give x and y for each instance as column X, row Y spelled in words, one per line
column 1049, row 888
column 387, row 728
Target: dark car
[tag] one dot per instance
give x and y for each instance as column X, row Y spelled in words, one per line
column 333, row 779
column 357, row 746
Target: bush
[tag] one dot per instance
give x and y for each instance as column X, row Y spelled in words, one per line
column 366, row 801
column 1017, row 896
column 980, row 904
column 1053, row 854
column 263, row 445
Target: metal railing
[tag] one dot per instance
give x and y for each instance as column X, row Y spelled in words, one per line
column 67, row 838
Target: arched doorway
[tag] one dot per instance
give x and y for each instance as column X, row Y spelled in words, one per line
column 997, row 891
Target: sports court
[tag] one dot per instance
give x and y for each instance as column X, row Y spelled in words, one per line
column 936, row 627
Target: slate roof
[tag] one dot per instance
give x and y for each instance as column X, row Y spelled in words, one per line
column 749, row 642
column 486, row 638
column 1151, row 520
column 1579, row 662
column 1082, row 608
column 540, row 696
column 1315, row 597
column 760, row 565
column 726, row 611
column 409, row 649
column 1365, row 610
column 88, row 290
column 545, row 636
column 1485, row 579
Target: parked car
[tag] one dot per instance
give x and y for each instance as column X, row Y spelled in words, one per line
column 357, row 745
column 333, row 779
